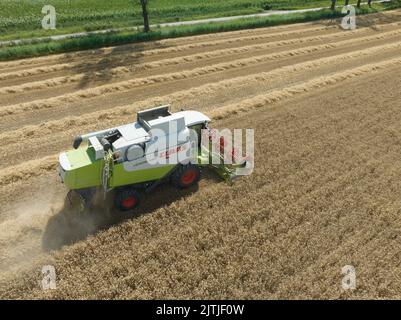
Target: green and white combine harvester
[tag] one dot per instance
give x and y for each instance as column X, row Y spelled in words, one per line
column 117, row 159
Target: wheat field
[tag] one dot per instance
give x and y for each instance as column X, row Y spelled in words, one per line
column 325, row 105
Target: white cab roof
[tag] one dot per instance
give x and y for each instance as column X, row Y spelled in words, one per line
column 192, row 118
column 134, row 133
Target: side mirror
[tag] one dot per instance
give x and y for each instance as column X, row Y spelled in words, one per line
column 77, row 142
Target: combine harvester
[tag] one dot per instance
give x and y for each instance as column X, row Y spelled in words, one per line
column 117, row 159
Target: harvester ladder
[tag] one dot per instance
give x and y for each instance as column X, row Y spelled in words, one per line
column 107, row 169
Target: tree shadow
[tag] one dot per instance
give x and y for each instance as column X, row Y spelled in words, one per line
column 69, row 226
column 104, row 69
column 101, row 66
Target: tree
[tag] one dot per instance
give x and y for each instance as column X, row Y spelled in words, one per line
column 370, row 3
column 346, row 2
column 145, row 14
column 358, row 5
column 333, row 5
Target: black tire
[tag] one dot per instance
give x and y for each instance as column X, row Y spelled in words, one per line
column 127, row 199
column 186, row 176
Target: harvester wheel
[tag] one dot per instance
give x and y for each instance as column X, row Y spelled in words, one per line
column 127, row 199
column 186, row 176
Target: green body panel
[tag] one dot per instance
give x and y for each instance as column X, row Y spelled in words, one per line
column 85, row 171
column 121, row 177
column 81, row 157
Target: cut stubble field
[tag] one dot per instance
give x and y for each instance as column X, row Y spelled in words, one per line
column 325, row 105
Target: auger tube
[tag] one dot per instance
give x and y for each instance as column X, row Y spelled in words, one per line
column 79, row 139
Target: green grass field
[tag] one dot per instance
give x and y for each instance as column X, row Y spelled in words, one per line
column 104, row 40
column 22, row 18
column 14, row 27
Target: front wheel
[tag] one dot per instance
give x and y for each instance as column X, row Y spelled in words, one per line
column 127, row 199
column 186, row 176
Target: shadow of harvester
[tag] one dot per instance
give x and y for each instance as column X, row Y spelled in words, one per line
column 69, row 225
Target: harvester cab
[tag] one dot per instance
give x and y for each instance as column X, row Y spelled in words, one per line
column 136, row 157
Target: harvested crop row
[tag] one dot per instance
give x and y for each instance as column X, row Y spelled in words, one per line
column 209, row 38
column 273, row 31
column 146, row 53
column 119, row 71
column 182, row 48
column 30, row 169
column 308, row 86
column 126, row 85
column 31, row 132
column 38, row 167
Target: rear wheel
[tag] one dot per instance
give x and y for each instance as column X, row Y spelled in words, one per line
column 127, row 199
column 186, row 176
